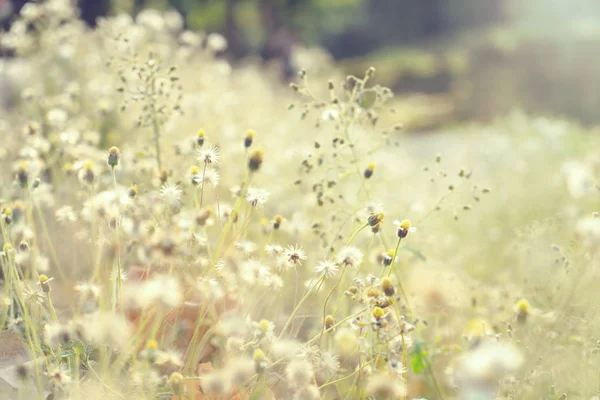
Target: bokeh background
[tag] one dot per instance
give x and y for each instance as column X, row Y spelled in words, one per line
column 470, row 59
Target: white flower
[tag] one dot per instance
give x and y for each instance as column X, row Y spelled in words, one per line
column 65, row 214
column 273, row 249
column 171, row 195
column 403, row 228
column 209, row 155
column 327, row 267
column 210, row 177
column 294, row 255
column 257, row 197
column 349, row 257
column 330, row 115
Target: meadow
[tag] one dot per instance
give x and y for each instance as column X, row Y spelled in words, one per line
column 175, row 226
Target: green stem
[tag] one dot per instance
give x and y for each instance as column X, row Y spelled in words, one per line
column 438, row 388
column 118, row 291
column 345, row 377
column 202, row 188
column 400, row 286
column 327, row 300
column 291, row 317
column 356, row 233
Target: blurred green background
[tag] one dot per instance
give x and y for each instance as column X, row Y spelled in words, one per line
column 473, row 59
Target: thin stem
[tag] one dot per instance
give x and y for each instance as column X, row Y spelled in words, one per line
column 438, row 388
column 356, row 233
column 51, row 307
column 119, row 289
column 402, row 291
column 345, row 377
column 202, row 187
column 327, row 300
column 404, row 357
column 291, row 317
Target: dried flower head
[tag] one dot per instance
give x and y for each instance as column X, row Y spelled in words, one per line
column 249, row 138
column 209, row 155
column 114, row 154
column 349, row 257
column 255, row 160
column 368, row 173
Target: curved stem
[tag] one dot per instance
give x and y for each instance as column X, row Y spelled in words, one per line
column 402, row 291
column 327, row 300
column 356, row 233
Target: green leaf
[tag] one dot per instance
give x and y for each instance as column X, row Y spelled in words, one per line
column 418, row 360
column 417, row 363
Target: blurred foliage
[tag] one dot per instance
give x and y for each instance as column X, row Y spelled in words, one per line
column 482, row 57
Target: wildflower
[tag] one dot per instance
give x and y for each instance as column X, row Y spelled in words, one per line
column 277, row 220
column 171, row 195
column 23, row 246
column 273, row 249
column 132, row 191
column 163, row 175
column 388, row 287
column 327, row 267
column 309, row 392
column 56, row 333
column 387, row 257
column 209, row 155
column 21, row 174
column 404, row 228
column 210, row 176
column 7, row 215
column 240, row 370
column 249, row 138
column 264, row 328
column 299, row 372
column 176, row 381
column 87, row 290
column 349, row 257
column 195, row 177
column 329, row 364
column 330, row 115
column 294, row 255
column 523, row 309
column 329, row 322
column 369, row 171
column 346, row 341
column 65, row 214
column 255, row 160
column 45, row 283
column 113, row 156
column 200, row 137
column 213, row 383
column 257, row 197
column 59, row 376
column 260, row 360
column 486, row 364
column 375, row 219
column 385, row 387
column 378, row 313
column 86, row 173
